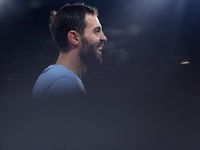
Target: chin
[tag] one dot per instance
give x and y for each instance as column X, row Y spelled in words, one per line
column 99, row 62
column 96, row 62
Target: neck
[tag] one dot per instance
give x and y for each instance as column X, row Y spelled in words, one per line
column 72, row 61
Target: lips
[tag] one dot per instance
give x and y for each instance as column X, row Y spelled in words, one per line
column 100, row 46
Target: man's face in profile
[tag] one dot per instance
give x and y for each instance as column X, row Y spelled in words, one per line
column 92, row 41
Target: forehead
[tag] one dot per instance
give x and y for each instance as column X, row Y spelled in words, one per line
column 92, row 21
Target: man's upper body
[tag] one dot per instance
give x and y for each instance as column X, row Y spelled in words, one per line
column 78, row 35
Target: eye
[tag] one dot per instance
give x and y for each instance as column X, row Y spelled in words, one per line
column 97, row 30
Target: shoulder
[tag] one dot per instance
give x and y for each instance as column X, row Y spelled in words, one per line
column 53, row 72
column 57, row 74
column 58, row 81
column 62, row 81
column 58, row 70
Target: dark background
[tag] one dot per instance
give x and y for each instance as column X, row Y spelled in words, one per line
column 141, row 97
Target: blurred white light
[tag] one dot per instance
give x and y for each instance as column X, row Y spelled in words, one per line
column 185, row 62
column 6, row 6
column 4, row 3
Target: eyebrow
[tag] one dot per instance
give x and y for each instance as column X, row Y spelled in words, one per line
column 97, row 28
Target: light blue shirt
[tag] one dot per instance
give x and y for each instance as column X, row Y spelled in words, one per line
column 57, row 81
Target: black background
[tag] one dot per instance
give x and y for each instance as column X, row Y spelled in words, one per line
column 141, row 97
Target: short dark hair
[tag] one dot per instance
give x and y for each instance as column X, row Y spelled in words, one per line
column 67, row 18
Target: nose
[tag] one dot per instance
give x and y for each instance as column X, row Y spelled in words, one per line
column 103, row 37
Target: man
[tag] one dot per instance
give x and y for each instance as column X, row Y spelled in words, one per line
column 78, row 35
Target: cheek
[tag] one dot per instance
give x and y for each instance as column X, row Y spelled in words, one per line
column 92, row 38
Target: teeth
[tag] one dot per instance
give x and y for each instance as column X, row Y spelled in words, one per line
column 99, row 48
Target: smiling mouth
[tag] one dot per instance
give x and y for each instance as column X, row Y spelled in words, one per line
column 100, row 45
column 99, row 48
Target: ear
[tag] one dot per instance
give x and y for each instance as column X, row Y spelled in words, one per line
column 74, row 37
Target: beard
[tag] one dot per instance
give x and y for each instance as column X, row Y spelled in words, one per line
column 89, row 53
